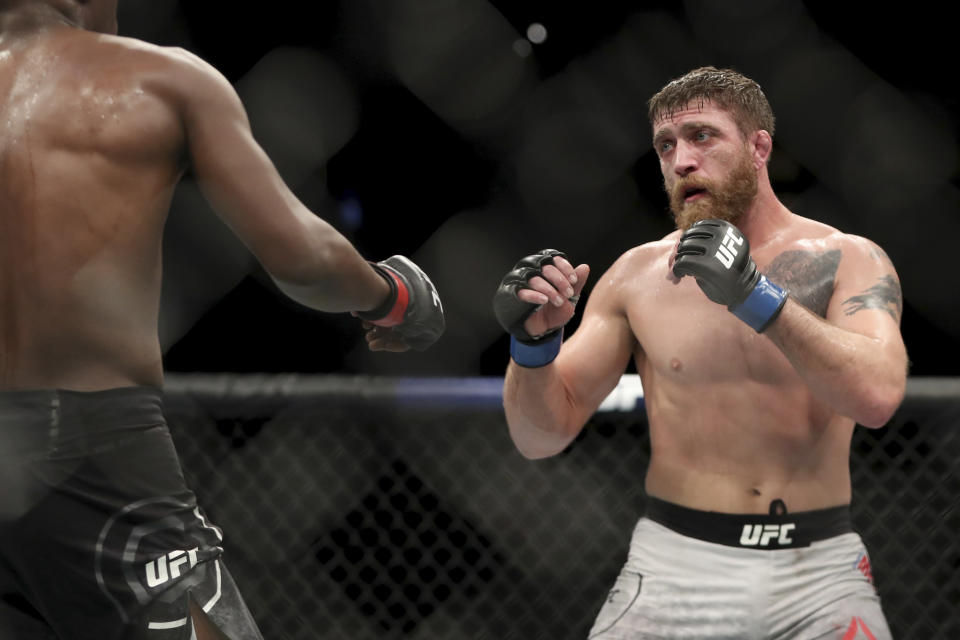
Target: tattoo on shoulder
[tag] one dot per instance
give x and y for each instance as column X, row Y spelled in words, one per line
column 879, row 254
column 809, row 276
column 884, row 295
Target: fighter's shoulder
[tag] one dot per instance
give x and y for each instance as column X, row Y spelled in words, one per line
column 642, row 258
column 123, row 50
column 852, row 247
column 650, row 253
column 171, row 67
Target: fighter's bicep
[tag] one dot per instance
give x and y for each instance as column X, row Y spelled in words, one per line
column 868, row 297
column 233, row 171
column 224, row 154
column 597, row 354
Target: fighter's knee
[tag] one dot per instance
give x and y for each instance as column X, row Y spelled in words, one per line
column 203, row 627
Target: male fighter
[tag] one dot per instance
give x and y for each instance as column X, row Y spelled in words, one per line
column 761, row 339
column 99, row 535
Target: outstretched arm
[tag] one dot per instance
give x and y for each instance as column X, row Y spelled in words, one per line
column 854, row 360
column 308, row 259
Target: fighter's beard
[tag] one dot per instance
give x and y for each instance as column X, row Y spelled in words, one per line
column 726, row 200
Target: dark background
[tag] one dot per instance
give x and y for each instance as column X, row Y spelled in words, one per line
column 437, row 130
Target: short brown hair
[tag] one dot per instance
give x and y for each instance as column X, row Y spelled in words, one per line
column 726, row 88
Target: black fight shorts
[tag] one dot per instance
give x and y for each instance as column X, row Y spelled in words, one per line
column 100, row 538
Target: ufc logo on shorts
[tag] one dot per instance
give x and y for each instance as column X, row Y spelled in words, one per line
column 170, row 566
column 727, row 250
column 755, row 535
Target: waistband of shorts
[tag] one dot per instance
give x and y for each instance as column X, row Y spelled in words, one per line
column 69, row 410
column 752, row 531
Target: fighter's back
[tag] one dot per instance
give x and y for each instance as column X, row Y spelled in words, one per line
column 91, row 148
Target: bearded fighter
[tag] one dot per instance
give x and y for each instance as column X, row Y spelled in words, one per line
column 761, row 339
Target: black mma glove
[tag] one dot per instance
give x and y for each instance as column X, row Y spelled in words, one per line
column 718, row 256
column 512, row 312
column 413, row 309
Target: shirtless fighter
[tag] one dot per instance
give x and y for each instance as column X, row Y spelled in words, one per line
column 761, row 339
column 99, row 536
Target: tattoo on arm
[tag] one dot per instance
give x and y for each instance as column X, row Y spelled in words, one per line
column 809, row 276
column 880, row 255
column 885, row 295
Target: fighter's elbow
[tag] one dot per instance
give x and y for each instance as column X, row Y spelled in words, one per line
column 540, row 448
column 531, row 453
column 535, row 443
column 880, row 402
column 536, row 452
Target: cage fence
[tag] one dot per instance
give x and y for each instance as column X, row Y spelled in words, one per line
column 372, row 507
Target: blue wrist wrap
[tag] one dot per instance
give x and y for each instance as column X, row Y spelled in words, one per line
column 536, row 355
column 762, row 306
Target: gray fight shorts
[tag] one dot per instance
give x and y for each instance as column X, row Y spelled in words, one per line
column 711, row 576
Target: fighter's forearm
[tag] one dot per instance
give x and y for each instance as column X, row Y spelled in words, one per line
column 859, row 376
column 538, row 411
column 331, row 276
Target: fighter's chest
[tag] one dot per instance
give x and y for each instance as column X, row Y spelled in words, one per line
column 684, row 334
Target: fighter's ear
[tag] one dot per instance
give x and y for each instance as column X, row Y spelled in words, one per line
column 762, row 144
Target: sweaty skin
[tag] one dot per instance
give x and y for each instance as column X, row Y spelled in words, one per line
column 737, row 419
column 97, row 130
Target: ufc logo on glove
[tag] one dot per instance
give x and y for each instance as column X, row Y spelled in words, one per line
column 727, row 250
column 737, row 284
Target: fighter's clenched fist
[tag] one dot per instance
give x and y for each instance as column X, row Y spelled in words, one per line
column 533, row 302
column 411, row 316
column 718, row 256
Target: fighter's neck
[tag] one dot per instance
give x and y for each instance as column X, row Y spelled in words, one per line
column 33, row 17
column 766, row 218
